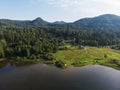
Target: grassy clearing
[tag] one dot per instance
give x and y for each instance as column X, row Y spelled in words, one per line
column 77, row 57
column 89, row 55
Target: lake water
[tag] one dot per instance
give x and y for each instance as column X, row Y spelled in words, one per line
column 43, row 77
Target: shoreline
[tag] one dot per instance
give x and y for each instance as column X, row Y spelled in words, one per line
column 29, row 62
column 76, row 57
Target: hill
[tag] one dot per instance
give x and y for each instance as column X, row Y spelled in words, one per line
column 40, row 40
column 27, row 23
column 102, row 22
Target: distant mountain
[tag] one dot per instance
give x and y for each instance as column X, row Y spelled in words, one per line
column 59, row 22
column 39, row 22
column 7, row 22
column 36, row 22
column 102, row 22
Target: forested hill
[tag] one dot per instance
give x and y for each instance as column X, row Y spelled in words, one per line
column 102, row 22
column 27, row 23
column 38, row 38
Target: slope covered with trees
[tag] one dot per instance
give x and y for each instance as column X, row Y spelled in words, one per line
column 39, row 42
column 102, row 22
column 28, row 43
column 39, row 39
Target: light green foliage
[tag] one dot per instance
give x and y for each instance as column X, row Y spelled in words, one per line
column 90, row 55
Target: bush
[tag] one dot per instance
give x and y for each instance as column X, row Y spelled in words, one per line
column 24, row 58
column 33, row 57
column 18, row 58
column 60, row 64
column 105, row 56
column 49, row 56
column 114, row 61
column 39, row 56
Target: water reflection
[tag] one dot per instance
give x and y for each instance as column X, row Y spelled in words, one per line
column 43, row 77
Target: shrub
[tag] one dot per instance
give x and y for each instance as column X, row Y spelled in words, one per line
column 114, row 61
column 18, row 58
column 33, row 57
column 60, row 63
column 49, row 56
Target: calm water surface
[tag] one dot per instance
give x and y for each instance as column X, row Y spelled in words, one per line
column 43, row 77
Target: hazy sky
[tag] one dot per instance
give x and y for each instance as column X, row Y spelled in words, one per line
column 57, row 10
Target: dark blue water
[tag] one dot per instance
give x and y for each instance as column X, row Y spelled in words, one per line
column 43, row 77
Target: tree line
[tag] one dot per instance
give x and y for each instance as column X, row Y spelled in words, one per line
column 40, row 42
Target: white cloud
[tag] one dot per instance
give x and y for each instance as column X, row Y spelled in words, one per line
column 64, row 3
column 82, row 4
column 75, row 3
column 75, row 9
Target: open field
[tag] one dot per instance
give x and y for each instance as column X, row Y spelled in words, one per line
column 72, row 55
column 89, row 55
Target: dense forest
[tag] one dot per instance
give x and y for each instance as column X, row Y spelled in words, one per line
column 35, row 39
column 40, row 42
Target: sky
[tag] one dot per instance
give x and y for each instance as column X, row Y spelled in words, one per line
column 57, row 10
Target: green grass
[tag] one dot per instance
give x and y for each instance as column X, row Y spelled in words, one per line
column 89, row 55
column 78, row 57
column 69, row 47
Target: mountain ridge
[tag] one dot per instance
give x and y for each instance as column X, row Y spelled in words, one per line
column 101, row 22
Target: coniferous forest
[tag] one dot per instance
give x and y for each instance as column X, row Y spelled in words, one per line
column 39, row 39
column 39, row 42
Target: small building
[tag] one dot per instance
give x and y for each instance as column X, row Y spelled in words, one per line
column 64, row 42
column 81, row 47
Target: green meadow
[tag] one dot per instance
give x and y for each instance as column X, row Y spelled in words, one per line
column 88, row 56
column 73, row 55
